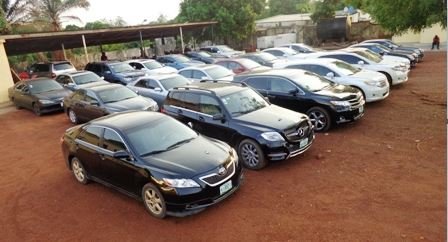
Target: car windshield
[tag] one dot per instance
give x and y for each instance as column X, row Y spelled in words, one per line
column 175, row 81
column 160, row 135
column 204, row 54
column 312, row 82
column 306, row 47
column 249, row 64
column 267, row 56
column 63, row 66
column 384, row 48
column 225, row 48
column 368, row 54
column 86, row 78
column 152, row 65
column 289, row 51
column 243, row 102
column 179, row 58
column 217, row 72
column 121, row 67
column 42, row 86
column 116, row 94
column 346, row 68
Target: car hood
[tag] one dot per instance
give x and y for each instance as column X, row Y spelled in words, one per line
column 271, row 118
column 136, row 103
column 53, row 95
column 132, row 74
column 190, row 159
column 192, row 63
column 341, row 92
column 369, row 75
column 162, row 70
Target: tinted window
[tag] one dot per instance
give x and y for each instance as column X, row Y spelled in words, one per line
column 121, row 67
column 44, row 86
column 311, row 81
column 275, row 52
column 112, row 141
column 92, row 135
column 209, row 105
column 259, row 83
column 243, row 102
column 186, row 73
column 191, row 101
column 86, row 78
column 40, row 68
column 174, row 98
column 320, row 70
column 347, row 58
column 116, row 94
column 141, row 83
column 198, row 74
column 63, row 66
column 281, row 85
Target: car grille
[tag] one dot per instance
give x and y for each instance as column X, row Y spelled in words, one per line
column 215, row 178
column 298, row 132
column 356, row 101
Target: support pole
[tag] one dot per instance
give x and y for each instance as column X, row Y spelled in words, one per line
column 63, row 51
column 85, row 48
column 142, row 48
column 181, row 40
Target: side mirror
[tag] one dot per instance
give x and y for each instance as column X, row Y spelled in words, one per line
column 360, row 62
column 158, row 89
column 102, row 77
column 121, row 154
column 218, row 116
column 330, row 75
column 294, row 91
column 107, row 72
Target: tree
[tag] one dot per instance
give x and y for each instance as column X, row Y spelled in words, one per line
column 277, row 7
column 13, row 14
column 401, row 15
column 51, row 12
column 326, row 9
column 236, row 18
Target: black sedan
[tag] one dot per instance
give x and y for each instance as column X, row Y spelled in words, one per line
column 99, row 100
column 201, row 56
column 153, row 157
column 42, row 95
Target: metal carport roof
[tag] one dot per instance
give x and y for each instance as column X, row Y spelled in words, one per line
column 49, row 41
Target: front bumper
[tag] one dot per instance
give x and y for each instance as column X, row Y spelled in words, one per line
column 400, row 77
column 52, row 107
column 348, row 116
column 286, row 150
column 379, row 93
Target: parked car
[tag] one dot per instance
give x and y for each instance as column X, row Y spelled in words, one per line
column 262, row 58
column 207, row 72
column 373, row 85
column 41, row 95
column 154, row 158
column 395, row 74
column 282, row 52
column 203, row 56
column 395, row 61
column 156, row 87
column 77, row 79
column 382, row 50
column 386, row 42
column 240, row 65
column 299, row 47
column 90, row 103
column 150, row 66
column 325, row 102
column 114, row 71
column 50, row 69
column 241, row 117
column 223, row 50
column 178, row 61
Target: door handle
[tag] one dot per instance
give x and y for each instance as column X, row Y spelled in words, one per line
column 201, row 118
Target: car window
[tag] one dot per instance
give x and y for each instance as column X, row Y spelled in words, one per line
column 224, row 64
column 209, row 105
column 259, row 83
column 174, row 98
column 20, row 86
column 112, row 141
column 198, row 74
column 320, row 70
column 275, row 52
column 175, row 81
column 191, row 101
column 40, row 68
column 63, row 79
column 152, row 84
column 281, row 85
column 44, row 85
column 90, row 97
column 186, row 73
column 141, row 83
column 347, row 58
column 91, row 135
column 137, row 66
column 85, row 78
column 63, row 66
column 234, row 66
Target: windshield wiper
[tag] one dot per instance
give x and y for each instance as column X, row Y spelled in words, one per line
column 179, row 143
column 242, row 112
column 153, row 152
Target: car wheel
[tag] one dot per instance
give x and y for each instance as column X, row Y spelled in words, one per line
column 251, row 154
column 153, row 201
column 72, row 116
column 319, row 118
column 78, row 171
column 36, row 109
column 389, row 78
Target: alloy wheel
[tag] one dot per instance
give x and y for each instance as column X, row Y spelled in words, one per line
column 153, row 201
column 250, row 154
column 72, row 116
column 78, row 171
column 318, row 119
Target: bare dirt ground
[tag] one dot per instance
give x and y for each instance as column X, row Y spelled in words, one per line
column 380, row 179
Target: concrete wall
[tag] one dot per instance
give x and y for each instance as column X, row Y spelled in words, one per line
column 424, row 37
column 5, row 74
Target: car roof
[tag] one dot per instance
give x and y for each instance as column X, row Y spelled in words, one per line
column 75, row 73
column 97, row 88
column 220, row 88
column 139, row 60
column 274, row 72
column 201, row 67
column 126, row 120
column 278, row 48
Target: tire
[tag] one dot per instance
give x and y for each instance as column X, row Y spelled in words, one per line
column 251, row 154
column 36, row 109
column 72, row 116
column 154, row 201
column 319, row 118
column 78, row 171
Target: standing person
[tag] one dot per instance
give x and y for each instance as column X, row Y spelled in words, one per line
column 103, row 56
column 435, row 42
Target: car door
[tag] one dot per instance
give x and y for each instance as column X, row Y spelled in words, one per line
column 199, row 75
column 284, row 93
column 210, row 107
column 119, row 172
column 87, row 147
column 187, row 74
column 25, row 97
column 93, row 106
column 261, row 84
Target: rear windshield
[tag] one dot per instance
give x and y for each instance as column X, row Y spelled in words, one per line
column 86, row 78
column 175, row 81
column 44, row 86
column 346, row 68
column 63, row 66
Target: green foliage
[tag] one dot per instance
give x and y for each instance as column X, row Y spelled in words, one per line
column 277, row 7
column 236, row 17
column 400, row 15
column 3, row 23
column 326, row 9
column 72, row 27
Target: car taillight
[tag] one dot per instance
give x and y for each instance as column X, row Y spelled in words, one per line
column 162, row 110
column 53, row 75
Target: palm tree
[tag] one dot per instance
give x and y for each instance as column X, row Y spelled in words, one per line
column 51, row 12
column 12, row 14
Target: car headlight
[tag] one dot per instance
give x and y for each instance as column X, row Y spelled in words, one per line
column 341, row 103
column 397, row 68
column 234, row 156
column 373, row 83
column 180, row 183
column 45, row 101
column 415, row 55
column 272, row 136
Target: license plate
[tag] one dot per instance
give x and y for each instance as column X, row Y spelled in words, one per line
column 225, row 187
column 303, row 142
column 361, row 109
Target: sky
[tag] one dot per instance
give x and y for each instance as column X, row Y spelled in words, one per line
column 134, row 12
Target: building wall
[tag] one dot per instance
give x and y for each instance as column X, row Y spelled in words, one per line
column 424, row 37
column 5, row 72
